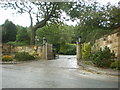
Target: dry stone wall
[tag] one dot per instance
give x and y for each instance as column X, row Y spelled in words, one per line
column 112, row 41
column 42, row 51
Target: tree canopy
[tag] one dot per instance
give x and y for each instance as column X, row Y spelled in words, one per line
column 43, row 11
column 9, row 31
column 56, row 33
column 96, row 15
column 95, row 19
column 22, row 35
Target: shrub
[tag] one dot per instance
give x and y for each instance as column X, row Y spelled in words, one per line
column 86, row 51
column 7, row 58
column 103, row 58
column 21, row 56
column 18, row 43
column 115, row 65
column 35, row 54
column 68, row 49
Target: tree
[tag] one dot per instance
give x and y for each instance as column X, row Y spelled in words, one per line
column 56, row 33
column 96, row 15
column 22, row 35
column 44, row 11
column 113, row 15
column 95, row 20
column 9, row 31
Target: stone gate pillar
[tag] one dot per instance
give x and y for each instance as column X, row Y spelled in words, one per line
column 44, row 50
column 47, row 52
column 118, row 56
column 79, row 52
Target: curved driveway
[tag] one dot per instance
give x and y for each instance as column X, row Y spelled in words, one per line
column 59, row 73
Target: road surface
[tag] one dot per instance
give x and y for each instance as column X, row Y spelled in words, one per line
column 59, row 73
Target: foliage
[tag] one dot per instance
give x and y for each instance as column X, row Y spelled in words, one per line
column 103, row 58
column 51, row 32
column 96, row 15
column 7, row 58
column 14, row 43
column 56, row 33
column 68, row 49
column 89, row 34
column 21, row 56
column 86, row 51
column 35, row 54
column 56, row 48
column 95, row 20
column 88, row 63
column 43, row 12
column 22, row 35
column 9, row 31
column 115, row 64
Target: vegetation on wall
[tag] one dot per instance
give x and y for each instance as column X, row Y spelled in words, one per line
column 15, row 43
column 86, row 51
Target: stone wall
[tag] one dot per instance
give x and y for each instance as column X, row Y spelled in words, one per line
column 29, row 49
column 112, row 41
column 7, row 49
column 45, row 52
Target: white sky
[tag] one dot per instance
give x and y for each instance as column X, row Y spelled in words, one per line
column 24, row 20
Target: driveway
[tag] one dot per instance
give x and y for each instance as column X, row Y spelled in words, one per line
column 59, row 73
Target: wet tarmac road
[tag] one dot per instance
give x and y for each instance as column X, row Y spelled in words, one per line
column 60, row 73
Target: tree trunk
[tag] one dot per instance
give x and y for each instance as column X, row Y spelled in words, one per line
column 34, row 28
column 32, row 41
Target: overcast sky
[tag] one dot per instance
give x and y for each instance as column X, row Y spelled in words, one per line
column 24, row 20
